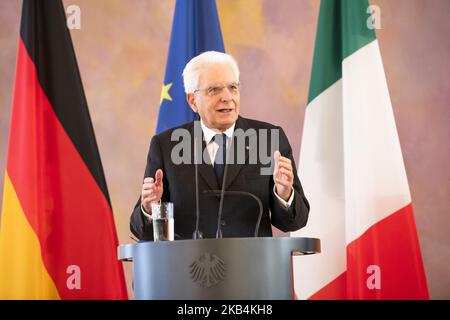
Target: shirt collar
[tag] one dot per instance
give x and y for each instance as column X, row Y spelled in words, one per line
column 210, row 133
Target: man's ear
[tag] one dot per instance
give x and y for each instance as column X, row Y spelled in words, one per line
column 190, row 97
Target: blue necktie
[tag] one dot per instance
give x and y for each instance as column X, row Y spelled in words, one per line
column 219, row 161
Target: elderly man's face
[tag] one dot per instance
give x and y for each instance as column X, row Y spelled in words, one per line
column 217, row 98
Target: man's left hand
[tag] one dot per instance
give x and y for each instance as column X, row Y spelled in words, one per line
column 283, row 176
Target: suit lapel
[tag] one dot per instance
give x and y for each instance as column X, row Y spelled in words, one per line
column 206, row 170
column 234, row 168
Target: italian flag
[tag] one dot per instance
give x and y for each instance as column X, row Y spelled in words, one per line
column 57, row 233
column 352, row 171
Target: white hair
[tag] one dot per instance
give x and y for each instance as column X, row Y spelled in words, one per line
column 191, row 72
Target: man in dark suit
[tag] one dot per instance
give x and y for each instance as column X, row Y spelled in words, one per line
column 211, row 82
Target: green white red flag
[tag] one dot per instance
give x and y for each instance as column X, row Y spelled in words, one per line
column 352, row 171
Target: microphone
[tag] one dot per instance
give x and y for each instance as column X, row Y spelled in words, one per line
column 197, row 233
column 245, row 193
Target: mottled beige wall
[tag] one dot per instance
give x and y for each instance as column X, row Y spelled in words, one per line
column 122, row 49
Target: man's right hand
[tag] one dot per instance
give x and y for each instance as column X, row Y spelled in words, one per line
column 152, row 191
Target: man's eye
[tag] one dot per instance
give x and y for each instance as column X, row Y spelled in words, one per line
column 213, row 90
column 233, row 87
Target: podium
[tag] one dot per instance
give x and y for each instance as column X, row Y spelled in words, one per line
column 210, row 269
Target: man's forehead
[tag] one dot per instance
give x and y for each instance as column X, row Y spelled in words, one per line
column 216, row 71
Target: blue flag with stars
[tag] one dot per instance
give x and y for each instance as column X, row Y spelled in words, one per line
column 195, row 29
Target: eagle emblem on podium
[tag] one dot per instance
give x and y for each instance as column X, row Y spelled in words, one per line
column 207, row 270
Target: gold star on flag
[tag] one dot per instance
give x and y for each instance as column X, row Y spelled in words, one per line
column 165, row 92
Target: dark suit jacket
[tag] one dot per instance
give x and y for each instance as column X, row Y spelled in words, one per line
column 240, row 213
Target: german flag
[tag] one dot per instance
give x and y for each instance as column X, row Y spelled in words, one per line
column 57, row 236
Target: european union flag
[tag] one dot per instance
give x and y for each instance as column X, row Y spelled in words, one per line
column 195, row 29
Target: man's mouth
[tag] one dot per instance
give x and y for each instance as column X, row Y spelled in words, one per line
column 225, row 110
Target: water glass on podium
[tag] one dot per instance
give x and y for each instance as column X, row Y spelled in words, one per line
column 163, row 224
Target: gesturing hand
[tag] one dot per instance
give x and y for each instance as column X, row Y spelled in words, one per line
column 283, row 176
column 152, row 190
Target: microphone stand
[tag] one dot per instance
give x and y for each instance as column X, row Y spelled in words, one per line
column 197, row 233
column 222, row 193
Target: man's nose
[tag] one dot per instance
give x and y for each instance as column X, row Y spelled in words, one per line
column 226, row 94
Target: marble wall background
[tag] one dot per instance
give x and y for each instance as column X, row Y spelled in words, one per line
column 122, row 49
